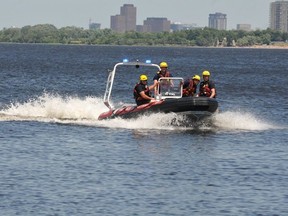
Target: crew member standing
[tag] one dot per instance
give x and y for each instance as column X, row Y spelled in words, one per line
column 162, row 73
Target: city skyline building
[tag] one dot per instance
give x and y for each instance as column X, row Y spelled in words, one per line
column 94, row 26
column 279, row 15
column 156, row 24
column 126, row 21
column 180, row 26
column 129, row 12
column 118, row 23
column 218, row 21
column 243, row 27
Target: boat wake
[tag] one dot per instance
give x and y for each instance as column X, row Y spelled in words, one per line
column 85, row 111
column 245, row 121
column 50, row 107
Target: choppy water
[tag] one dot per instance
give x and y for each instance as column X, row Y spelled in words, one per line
column 56, row 158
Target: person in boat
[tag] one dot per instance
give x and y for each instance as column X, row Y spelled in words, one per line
column 190, row 86
column 142, row 91
column 162, row 73
column 207, row 86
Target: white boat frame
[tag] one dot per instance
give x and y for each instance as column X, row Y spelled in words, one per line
column 137, row 64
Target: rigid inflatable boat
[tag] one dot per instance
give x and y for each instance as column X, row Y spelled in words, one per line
column 168, row 99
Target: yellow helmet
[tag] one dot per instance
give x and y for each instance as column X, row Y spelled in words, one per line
column 196, row 77
column 143, row 77
column 164, row 65
column 206, row 73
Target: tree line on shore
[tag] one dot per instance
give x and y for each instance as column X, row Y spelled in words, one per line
column 206, row 37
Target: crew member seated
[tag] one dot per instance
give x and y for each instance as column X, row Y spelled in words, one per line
column 142, row 91
column 190, row 86
column 207, row 86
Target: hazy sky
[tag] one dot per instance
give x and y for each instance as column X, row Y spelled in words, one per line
column 78, row 12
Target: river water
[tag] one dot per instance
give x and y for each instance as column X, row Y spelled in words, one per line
column 56, row 158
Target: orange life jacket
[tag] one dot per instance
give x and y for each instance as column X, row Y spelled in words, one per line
column 189, row 90
column 167, row 74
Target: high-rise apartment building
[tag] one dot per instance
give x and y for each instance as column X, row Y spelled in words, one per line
column 126, row 21
column 218, row 21
column 279, row 15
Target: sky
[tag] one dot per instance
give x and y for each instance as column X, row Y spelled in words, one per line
column 62, row 13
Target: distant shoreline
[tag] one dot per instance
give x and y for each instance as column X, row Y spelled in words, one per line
column 268, row 46
column 280, row 46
